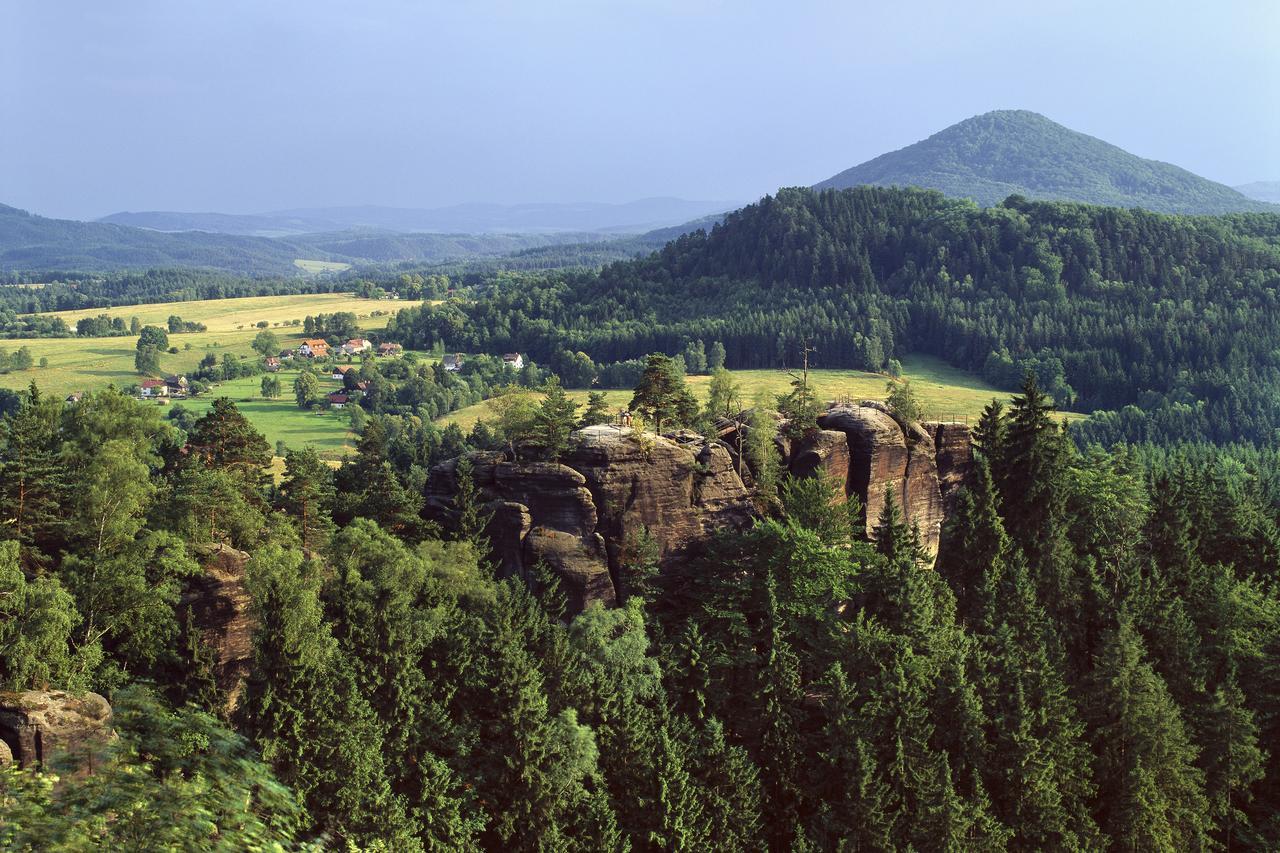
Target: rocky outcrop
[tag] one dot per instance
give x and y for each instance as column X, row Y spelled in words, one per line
column 577, row 516
column 215, row 605
column 48, row 727
column 823, row 452
column 953, row 449
column 613, row 483
column 921, row 465
column 539, row 512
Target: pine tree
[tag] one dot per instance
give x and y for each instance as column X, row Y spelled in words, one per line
column 662, row 396
column 32, row 480
column 1150, row 793
column 553, row 421
column 307, row 494
column 597, row 411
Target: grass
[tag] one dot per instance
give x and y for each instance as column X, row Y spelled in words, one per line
column 317, row 267
column 946, row 393
column 86, row 364
column 281, row 420
column 224, row 315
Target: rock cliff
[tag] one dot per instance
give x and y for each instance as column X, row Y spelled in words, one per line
column 48, row 726
column 613, row 484
column 577, row 515
column 215, row 605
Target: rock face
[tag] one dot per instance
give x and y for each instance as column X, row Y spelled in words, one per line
column 577, row 516
column 920, row 465
column 42, row 726
column 216, row 605
column 613, row 484
column 953, row 448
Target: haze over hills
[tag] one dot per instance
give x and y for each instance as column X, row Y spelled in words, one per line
column 630, row 218
column 30, row 242
column 1268, row 191
column 994, row 155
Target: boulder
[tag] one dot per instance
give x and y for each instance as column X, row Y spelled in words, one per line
column 215, row 604
column 48, row 726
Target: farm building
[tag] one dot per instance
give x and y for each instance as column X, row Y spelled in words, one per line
column 313, row 348
column 513, row 360
column 272, row 363
column 178, row 386
column 342, row 370
column 355, row 346
column 337, row 400
column 389, row 349
column 154, row 388
column 453, row 362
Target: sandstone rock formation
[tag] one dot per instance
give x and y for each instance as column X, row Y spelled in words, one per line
column 918, row 464
column 953, row 448
column 45, row 726
column 215, row 604
column 613, row 484
column 577, row 515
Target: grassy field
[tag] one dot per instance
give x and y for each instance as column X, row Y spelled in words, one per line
column 85, row 364
column 225, row 315
column 946, row 393
column 281, row 420
column 316, row 267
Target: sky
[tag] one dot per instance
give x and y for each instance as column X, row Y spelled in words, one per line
column 244, row 106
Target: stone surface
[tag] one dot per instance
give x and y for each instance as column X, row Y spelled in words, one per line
column 921, row 464
column 822, row 452
column 953, row 448
column 48, row 726
column 679, row 493
column 613, row 483
column 877, row 455
column 217, row 605
column 576, row 516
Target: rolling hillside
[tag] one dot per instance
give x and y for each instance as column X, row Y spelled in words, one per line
column 1015, row 152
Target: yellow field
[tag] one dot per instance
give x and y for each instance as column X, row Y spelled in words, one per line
column 84, row 364
column 946, row 393
column 222, row 315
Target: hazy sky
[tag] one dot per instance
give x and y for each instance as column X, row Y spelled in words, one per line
column 252, row 105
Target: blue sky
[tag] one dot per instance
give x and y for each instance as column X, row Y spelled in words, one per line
column 243, row 106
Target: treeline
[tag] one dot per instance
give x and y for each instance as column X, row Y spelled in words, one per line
column 71, row 291
column 1091, row 666
column 1177, row 315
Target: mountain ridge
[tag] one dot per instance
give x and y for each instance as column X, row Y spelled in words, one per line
column 992, row 156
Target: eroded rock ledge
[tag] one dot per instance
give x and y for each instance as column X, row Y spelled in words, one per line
column 576, row 515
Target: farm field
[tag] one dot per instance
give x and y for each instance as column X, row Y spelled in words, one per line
column 222, row 315
column 281, row 420
column 84, row 364
column 945, row 392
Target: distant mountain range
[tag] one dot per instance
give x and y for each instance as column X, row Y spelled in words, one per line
column 30, row 242
column 634, row 217
column 1262, row 191
column 995, row 155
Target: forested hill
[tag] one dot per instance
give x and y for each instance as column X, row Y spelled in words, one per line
column 29, row 242
column 1110, row 307
column 997, row 154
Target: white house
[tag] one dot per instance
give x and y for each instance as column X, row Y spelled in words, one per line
column 453, row 362
column 513, row 360
column 355, row 346
column 314, row 348
column 154, row 388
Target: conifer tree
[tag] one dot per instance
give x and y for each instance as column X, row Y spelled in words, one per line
column 1150, row 793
